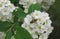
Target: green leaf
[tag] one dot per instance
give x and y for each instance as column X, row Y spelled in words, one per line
column 8, row 35
column 33, row 7
column 21, row 33
column 4, row 26
column 19, row 14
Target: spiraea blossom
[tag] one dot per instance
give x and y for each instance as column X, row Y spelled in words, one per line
column 26, row 4
column 45, row 3
column 38, row 24
column 6, row 9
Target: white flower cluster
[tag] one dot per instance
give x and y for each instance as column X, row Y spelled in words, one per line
column 6, row 9
column 38, row 24
column 26, row 4
column 45, row 3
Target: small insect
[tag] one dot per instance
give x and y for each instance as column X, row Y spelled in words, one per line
column 33, row 20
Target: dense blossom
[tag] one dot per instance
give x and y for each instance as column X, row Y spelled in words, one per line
column 6, row 9
column 38, row 24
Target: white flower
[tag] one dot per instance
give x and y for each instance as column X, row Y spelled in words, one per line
column 43, row 36
column 38, row 23
column 26, row 19
column 12, row 37
column 6, row 9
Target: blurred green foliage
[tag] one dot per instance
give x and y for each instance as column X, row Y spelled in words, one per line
column 22, row 33
column 54, row 12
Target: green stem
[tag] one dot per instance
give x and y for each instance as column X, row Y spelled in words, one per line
column 10, row 28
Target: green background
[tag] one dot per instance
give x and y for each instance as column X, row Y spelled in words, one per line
column 54, row 12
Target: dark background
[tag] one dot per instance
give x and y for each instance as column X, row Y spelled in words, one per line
column 54, row 12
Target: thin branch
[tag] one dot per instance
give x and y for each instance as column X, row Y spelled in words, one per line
column 10, row 28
